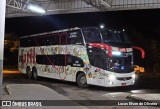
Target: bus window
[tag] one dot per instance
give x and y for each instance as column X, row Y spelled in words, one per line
column 75, row 37
column 59, row 60
column 99, row 61
column 41, row 41
column 74, row 61
column 121, row 64
column 23, row 42
column 92, row 35
column 96, row 57
column 54, row 39
column 51, row 60
column 63, row 40
column 114, row 36
column 27, row 42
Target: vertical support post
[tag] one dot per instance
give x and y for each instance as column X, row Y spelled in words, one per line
column 2, row 27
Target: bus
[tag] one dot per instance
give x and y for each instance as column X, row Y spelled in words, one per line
column 87, row 56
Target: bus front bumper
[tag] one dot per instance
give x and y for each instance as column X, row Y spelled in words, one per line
column 115, row 81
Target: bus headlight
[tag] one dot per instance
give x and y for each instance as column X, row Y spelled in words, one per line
column 112, row 77
column 134, row 76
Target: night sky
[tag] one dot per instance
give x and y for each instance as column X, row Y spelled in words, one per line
column 144, row 22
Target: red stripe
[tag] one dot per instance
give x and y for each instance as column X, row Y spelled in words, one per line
column 102, row 46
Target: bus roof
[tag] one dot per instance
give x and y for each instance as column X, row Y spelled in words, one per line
column 64, row 30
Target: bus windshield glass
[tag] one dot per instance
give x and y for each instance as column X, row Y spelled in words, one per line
column 121, row 64
column 114, row 36
column 92, row 35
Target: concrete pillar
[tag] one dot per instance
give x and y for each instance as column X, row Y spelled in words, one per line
column 2, row 27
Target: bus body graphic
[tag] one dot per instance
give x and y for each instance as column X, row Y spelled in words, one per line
column 79, row 55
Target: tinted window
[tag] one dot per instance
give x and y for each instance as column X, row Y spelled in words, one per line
column 99, row 61
column 22, row 43
column 92, row 35
column 97, row 57
column 70, row 37
column 75, row 37
column 63, row 40
column 40, row 41
column 121, row 64
column 74, row 61
column 51, row 39
column 59, row 60
column 115, row 36
column 51, row 60
column 27, row 42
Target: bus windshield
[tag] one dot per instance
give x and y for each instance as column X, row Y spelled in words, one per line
column 114, row 36
column 121, row 64
column 92, row 35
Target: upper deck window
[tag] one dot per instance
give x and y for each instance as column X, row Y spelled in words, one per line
column 75, row 37
column 115, row 36
column 61, row 38
column 92, row 35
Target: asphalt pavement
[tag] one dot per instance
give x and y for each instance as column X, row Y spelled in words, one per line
column 35, row 93
column 18, row 87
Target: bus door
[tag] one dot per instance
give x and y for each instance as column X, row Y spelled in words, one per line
column 99, row 70
column 97, row 61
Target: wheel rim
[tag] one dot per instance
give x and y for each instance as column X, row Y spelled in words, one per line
column 83, row 80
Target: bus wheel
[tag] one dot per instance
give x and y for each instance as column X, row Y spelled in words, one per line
column 29, row 73
column 81, row 80
column 34, row 72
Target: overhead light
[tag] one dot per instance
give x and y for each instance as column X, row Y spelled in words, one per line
column 36, row 8
column 102, row 26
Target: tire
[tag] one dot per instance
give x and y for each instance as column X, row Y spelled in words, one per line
column 34, row 74
column 82, row 81
column 29, row 73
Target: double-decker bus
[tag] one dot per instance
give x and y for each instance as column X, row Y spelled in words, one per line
column 82, row 55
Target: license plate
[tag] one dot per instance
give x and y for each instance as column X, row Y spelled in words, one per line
column 123, row 84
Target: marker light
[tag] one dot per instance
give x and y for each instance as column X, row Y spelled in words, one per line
column 36, row 9
column 112, row 77
column 133, row 76
column 116, row 53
